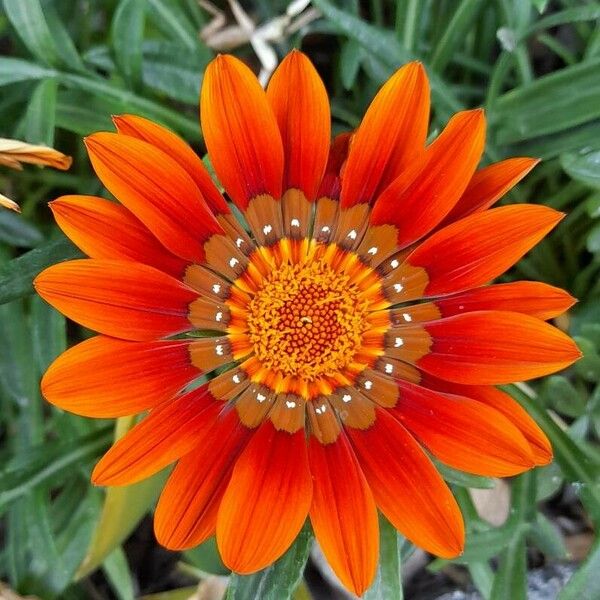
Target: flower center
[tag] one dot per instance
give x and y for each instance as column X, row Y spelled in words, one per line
column 306, row 320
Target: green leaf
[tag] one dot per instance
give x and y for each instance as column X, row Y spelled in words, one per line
column 458, row 27
column 14, row 70
column 386, row 48
column 46, row 462
column 463, row 479
column 131, row 102
column 574, row 462
column 16, row 231
column 551, row 146
column 127, row 33
column 588, row 367
column 350, row 63
column 62, row 40
column 550, row 104
column 124, row 507
column 117, row 572
column 545, row 535
column 510, row 582
column 205, row 557
column 559, row 393
column 278, row 581
column 40, row 116
column 30, row 24
column 169, row 69
column 81, row 115
column 583, row 167
column 388, row 580
column 16, row 276
column 49, row 333
column 171, row 19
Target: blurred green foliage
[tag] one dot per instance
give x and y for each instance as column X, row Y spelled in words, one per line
column 67, row 65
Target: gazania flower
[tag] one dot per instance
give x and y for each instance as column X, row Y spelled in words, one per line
column 306, row 361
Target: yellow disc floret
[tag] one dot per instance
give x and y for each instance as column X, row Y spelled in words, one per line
column 306, row 320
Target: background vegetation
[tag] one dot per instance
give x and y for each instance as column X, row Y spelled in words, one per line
column 67, row 65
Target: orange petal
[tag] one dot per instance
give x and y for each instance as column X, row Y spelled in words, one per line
column 186, row 514
column 528, row 297
column 266, row 501
column 171, row 144
column 107, row 378
column 463, row 433
column 503, row 403
column 495, row 347
column 422, row 195
column 343, row 513
column 299, row 101
column 240, row 131
column 104, row 229
column 392, row 134
column 119, row 298
column 407, row 487
column 338, row 153
column 477, row 249
column 490, row 184
column 156, row 189
column 171, row 430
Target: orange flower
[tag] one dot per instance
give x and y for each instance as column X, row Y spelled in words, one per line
column 328, row 375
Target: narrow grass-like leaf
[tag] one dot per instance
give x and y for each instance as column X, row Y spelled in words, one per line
column 457, row 29
column 573, row 460
column 15, row 230
column 131, row 102
column 117, row 572
column 45, row 462
column 278, row 581
column 463, row 479
column 553, row 103
column 172, row 20
column 388, row 581
column 17, row 275
column 48, row 330
column 30, row 24
column 545, row 535
column 127, row 33
column 40, row 116
column 14, row 70
column 123, row 509
column 583, row 167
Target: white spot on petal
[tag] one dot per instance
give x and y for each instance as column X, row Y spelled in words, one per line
column 398, row 342
column 368, row 384
column 219, row 317
column 239, row 242
column 290, row 404
column 216, row 288
column 352, row 234
column 236, row 378
column 219, row 350
column 295, row 223
column 325, row 229
column 373, row 251
column 407, row 317
column 233, row 262
column 261, row 397
column 389, row 368
column 346, row 398
column 394, row 264
column 267, row 229
column 398, row 287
